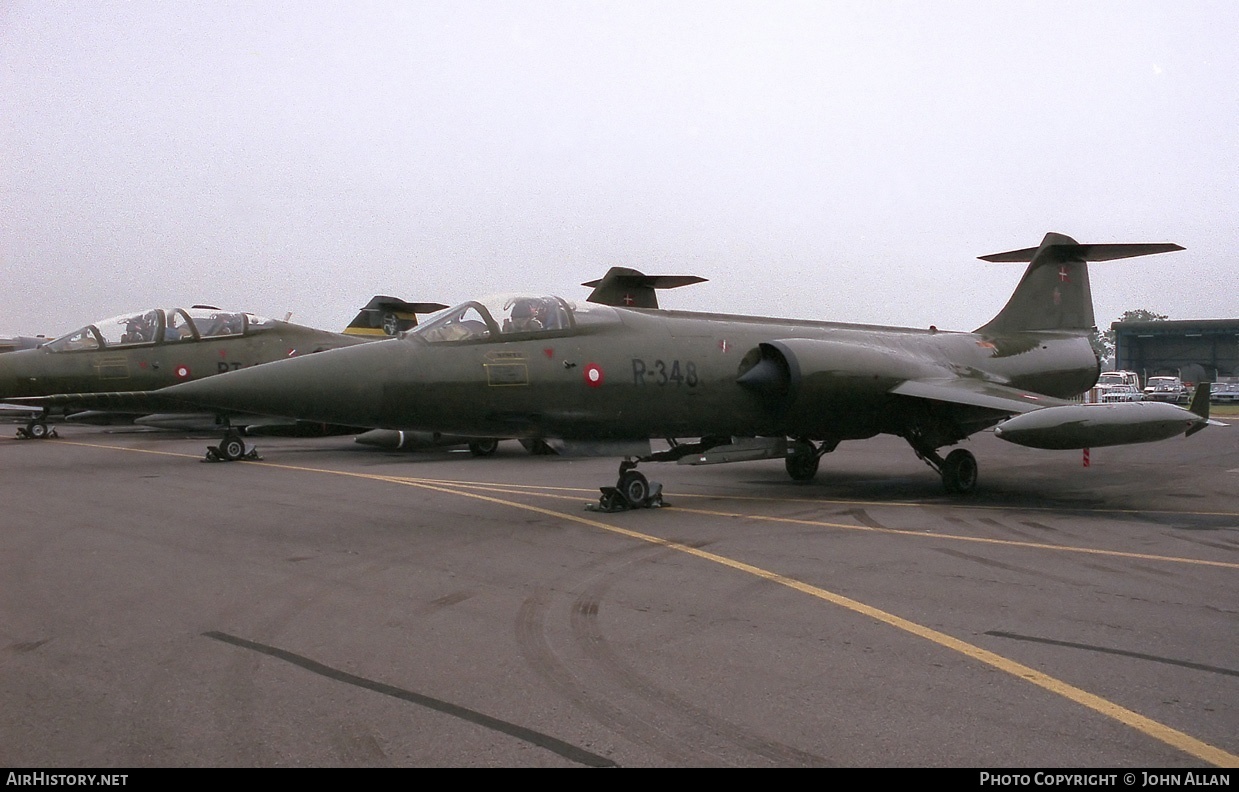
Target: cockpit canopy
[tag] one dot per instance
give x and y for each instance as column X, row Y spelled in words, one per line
column 505, row 316
column 159, row 326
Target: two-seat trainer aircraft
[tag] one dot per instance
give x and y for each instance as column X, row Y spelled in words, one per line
column 604, row 379
column 151, row 349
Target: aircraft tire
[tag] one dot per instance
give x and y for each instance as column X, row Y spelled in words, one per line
column 483, row 448
column 37, row 430
column 959, row 472
column 802, row 462
column 635, row 488
column 232, row 447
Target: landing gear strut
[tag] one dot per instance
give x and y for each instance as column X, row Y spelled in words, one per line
column 958, row 470
column 802, row 461
column 537, row 447
column 803, row 458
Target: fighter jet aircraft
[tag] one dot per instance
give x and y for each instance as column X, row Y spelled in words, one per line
column 15, row 343
column 151, row 349
column 606, row 379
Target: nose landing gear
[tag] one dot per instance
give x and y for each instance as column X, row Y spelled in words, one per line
column 36, row 429
column 631, row 491
column 231, row 449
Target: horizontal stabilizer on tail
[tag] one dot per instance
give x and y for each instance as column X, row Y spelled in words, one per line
column 1054, row 293
column 1087, row 252
column 628, row 288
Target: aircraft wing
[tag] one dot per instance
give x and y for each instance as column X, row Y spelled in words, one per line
column 978, row 393
column 135, row 402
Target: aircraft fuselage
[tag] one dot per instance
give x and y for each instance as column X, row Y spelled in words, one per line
column 658, row 374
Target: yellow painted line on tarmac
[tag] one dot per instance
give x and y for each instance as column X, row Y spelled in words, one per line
column 1159, row 731
column 768, row 499
column 538, row 490
column 884, row 503
column 126, row 448
column 961, row 538
column 524, row 489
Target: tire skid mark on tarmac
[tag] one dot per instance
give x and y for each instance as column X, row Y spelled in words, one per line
column 871, row 524
column 531, row 637
column 584, row 621
column 962, row 538
column 863, row 517
column 1159, row 731
column 1018, row 569
column 1013, row 530
column 559, row 747
column 1228, row 546
column 1120, row 652
column 1040, row 526
column 1172, row 737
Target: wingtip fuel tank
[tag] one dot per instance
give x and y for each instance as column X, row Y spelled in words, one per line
column 1098, row 425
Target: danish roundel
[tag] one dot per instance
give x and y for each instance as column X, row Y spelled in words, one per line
column 593, row 375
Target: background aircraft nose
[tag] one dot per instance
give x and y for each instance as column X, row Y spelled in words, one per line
column 15, row 375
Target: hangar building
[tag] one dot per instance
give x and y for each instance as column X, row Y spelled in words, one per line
column 1197, row 350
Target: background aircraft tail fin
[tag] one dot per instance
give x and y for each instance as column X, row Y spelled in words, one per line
column 628, row 288
column 386, row 316
column 1054, row 293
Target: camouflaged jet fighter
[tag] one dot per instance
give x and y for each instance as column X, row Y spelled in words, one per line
column 16, row 343
column 602, row 379
column 155, row 348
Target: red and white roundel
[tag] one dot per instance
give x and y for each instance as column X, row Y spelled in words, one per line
column 182, row 372
column 593, row 375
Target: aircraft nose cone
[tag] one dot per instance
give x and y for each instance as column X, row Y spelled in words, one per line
column 337, row 386
column 15, row 375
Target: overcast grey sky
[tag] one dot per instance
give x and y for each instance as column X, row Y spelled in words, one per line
column 835, row 160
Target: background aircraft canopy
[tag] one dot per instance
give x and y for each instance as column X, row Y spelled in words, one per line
column 510, row 314
column 157, row 325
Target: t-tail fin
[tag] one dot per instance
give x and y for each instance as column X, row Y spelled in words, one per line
column 1054, row 293
column 628, row 288
column 386, row 316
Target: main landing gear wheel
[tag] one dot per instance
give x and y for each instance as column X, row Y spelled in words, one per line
column 802, row 461
column 959, row 472
column 483, row 448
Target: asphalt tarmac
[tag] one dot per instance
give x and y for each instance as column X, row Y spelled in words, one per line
column 338, row 605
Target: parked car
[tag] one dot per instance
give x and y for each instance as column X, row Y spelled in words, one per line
column 1166, row 389
column 1225, row 393
column 1109, row 379
column 1121, row 393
